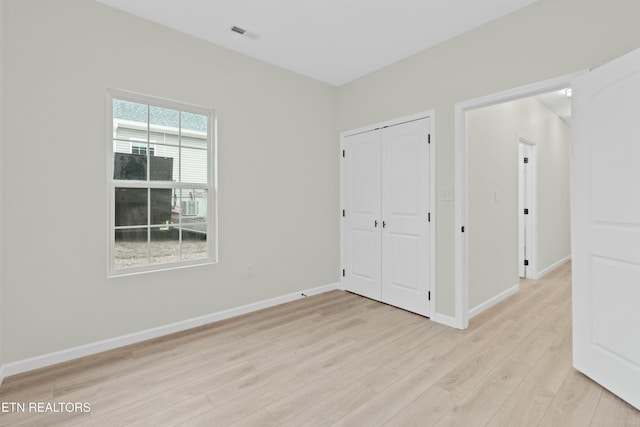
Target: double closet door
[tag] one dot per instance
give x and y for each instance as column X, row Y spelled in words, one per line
column 385, row 219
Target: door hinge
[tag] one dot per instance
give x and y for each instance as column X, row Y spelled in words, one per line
column 463, row 228
column 526, row 262
column 526, row 160
column 429, row 139
column 429, row 295
column 344, row 273
column 526, row 211
column 343, row 213
column 343, row 153
column 429, row 217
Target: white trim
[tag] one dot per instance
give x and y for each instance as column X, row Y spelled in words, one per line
column 445, row 320
column 432, row 208
column 552, row 267
column 461, row 217
column 493, row 300
column 49, row 359
column 392, row 122
column 431, row 115
column 157, row 102
column 461, row 250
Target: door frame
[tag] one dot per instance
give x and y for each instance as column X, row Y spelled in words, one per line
column 461, row 179
column 430, row 114
column 531, row 232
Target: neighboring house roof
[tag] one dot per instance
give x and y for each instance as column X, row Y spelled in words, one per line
column 127, row 110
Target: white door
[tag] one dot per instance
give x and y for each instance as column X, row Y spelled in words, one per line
column 605, row 217
column 405, row 216
column 361, row 223
column 525, row 205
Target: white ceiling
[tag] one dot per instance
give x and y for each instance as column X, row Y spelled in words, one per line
column 334, row 41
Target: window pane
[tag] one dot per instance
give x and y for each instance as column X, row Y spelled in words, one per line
column 162, row 168
column 131, row 206
column 131, row 248
column 164, row 163
column 129, row 120
column 122, row 147
column 162, row 201
column 194, row 129
column 194, row 244
column 129, row 166
column 193, row 206
column 165, row 245
column 167, row 136
column 193, row 165
column 164, row 120
column 195, row 142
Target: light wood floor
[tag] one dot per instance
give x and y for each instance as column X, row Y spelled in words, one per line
column 338, row 359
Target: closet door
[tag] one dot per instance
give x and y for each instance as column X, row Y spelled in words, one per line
column 405, row 216
column 361, row 223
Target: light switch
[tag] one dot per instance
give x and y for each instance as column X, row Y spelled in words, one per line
column 447, row 194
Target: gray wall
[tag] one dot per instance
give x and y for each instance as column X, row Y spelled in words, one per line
column 278, row 175
column 493, row 163
column 547, row 39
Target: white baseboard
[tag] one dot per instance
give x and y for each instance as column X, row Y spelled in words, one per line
column 49, row 359
column 493, row 301
column 445, row 320
column 553, row 267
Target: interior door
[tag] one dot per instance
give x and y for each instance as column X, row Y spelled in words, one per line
column 405, row 216
column 605, row 216
column 361, row 223
column 525, row 195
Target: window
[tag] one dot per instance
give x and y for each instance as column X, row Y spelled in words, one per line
column 162, row 193
column 141, row 148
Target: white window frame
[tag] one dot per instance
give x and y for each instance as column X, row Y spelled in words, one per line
column 210, row 187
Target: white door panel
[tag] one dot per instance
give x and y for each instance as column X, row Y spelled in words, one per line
column 363, row 156
column 363, row 264
column 606, row 226
column 611, row 282
column 361, row 202
column 405, row 209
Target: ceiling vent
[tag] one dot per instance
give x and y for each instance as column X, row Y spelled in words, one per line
column 244, row 32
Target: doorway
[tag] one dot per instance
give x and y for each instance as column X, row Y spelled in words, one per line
column 464, row 227
column 527, row 211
